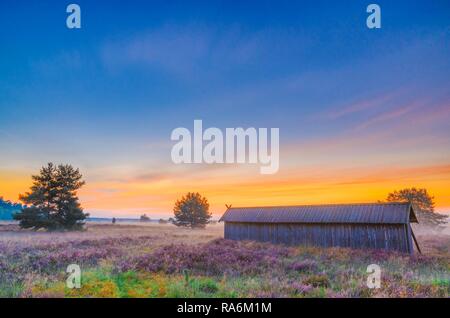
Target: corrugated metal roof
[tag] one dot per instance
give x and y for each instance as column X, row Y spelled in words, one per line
column 376, row 213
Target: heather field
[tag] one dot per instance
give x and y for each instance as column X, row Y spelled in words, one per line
column 160, row 260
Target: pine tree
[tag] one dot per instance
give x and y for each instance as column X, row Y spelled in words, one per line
column 52, row 202
column 192, row 211
column 423, row 204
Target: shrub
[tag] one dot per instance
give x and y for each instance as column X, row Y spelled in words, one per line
column 317, row 281
column 305, row 265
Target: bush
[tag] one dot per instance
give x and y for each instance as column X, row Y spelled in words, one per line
column 317, row 281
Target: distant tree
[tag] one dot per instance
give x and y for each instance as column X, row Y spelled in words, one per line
column 52, row 202
column 423, row 204
column 144, row 218
column 162, row 221
column 192, row 211
column 113, row 220
column 8, row 208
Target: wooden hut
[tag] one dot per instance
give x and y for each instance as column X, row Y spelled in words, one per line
column 374, row 225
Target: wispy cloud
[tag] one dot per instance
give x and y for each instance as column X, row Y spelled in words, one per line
column 392, row 114
column 361, row 105
column 182, row 50
column 170, row 48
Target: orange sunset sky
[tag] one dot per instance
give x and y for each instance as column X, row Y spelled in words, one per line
column 128, row 194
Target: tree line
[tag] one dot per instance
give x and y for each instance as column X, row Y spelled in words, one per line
column 52, row 203
column 8, row 208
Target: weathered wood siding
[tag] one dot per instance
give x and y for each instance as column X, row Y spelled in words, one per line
column 380, row 236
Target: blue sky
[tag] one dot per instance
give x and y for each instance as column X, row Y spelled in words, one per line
column 107, row 96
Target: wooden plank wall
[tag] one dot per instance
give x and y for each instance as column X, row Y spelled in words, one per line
column 380, row 236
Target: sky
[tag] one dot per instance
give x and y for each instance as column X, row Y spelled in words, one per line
column 361, row 112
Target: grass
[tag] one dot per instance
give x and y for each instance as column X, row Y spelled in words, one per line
column 163, row 261
column 100, row 284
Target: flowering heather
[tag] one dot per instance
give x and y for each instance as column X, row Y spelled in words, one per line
column 214, row 258
column 163, row 261
column 49, row 257
column 304, row 265
column 301, row 289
